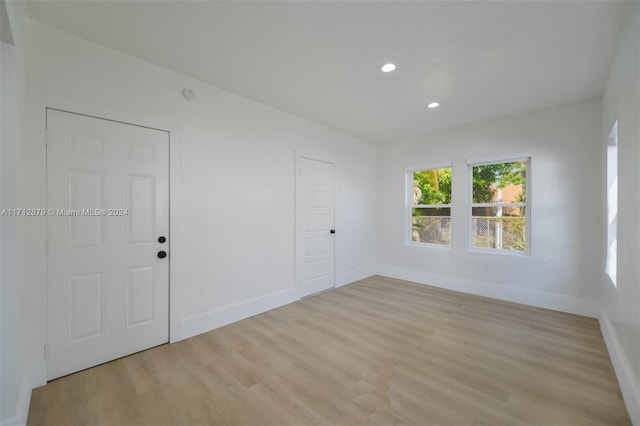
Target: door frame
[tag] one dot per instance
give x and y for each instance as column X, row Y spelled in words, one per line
column 175, row 183
column 299, row 241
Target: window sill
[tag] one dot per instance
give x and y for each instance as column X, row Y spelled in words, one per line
column 499, row 252
column 430, row 245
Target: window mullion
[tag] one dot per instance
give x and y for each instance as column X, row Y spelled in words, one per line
column 431, row 206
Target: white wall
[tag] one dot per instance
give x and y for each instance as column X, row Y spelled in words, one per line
column 620, row 316
column 16, row 376
column 232, row 182
column 8, row 284
column 566, row 219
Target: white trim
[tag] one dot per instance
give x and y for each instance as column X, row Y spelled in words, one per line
column 430, row 245
column 354, row 275
column 556, row 302
column 527, row 204
column 324, row 157
column 612, row 162
column 299, row 241
column 175, row 177
column 104, row 112
column 32, row 378
column 498, row 251
column 444, row 165
column 198, row 324
column 175, row 193
column 431, row 206
column 528, row 207
column 500, row 204
column 494, row 159
column 622, row 368
column 409, row 206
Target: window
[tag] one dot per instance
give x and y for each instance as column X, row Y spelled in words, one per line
column 500, row 205
column 612, row 204
column 429, row 195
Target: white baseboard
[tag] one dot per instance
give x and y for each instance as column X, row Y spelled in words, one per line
column 538, row 299
column 211, row 320
column 31, row 379
column 355, row 275
column 630, row 390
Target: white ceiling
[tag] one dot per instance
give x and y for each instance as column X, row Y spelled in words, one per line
column 321, row 60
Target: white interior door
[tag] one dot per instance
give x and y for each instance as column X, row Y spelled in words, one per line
column 315, row 226
column 108, row 206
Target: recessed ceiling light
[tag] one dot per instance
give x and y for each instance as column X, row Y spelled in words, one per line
column 388, row 67
column 433, row 105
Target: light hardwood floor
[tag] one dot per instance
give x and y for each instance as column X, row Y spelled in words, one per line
column 379, row 351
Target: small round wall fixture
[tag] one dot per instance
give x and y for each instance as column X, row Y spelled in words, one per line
column 433, row 105
column 388, row 67
column 188, row 93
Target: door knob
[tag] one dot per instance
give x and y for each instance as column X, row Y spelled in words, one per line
column 162, row 240
column 162, row 254
column 333, row 231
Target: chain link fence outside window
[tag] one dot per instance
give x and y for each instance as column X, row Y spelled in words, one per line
column 432, row 229
column 505, row 232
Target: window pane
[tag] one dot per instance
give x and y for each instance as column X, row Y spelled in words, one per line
column 500, row 182
column 612, row 203
column 499, row 227
column 432, row 186
column 431, row 225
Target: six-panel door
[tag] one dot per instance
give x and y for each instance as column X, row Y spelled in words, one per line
column 108, row 203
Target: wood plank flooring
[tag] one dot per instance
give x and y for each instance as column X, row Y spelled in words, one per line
column 379, row 352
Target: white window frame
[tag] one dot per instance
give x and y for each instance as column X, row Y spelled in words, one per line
column 527, row 204
column 613, row 196
column 409, row 205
